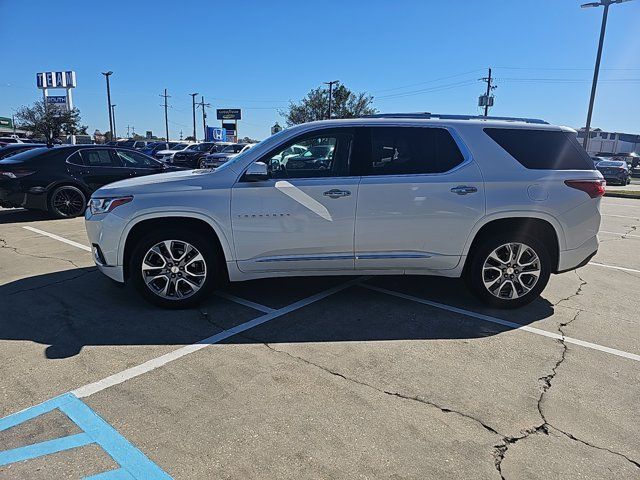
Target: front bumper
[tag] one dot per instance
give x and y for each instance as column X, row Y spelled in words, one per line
column 104, row 232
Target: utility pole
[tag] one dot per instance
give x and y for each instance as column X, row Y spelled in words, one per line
column 107, row 75
column 204, row 115
column 166, row 118
column 596, row 71
column 180, row 134
column 486, row 100
column 331, row 83
column 13, row 122
column 128, row 131
column 115, row 130
column 193, row 103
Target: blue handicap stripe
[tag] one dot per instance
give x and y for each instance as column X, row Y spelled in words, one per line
column 132, row 462
column 44, row 448
column 119, row 474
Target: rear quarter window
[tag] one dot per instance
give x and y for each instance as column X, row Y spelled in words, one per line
column 542, row 149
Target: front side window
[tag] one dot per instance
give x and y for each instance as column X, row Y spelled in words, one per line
column 135, row 159
column 411, row 151
column 317, row 155
column 98, row 158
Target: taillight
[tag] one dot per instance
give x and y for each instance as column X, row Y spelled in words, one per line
column 16, row 173
column 593, row 188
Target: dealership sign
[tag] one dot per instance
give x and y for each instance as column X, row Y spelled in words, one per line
column 216, row 134
column 56, row 79
column 229, row 113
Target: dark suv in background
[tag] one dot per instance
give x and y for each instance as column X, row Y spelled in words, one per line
column 191, row 157
column 60, row 180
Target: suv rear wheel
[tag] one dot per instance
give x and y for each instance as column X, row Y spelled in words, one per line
column 509, row 270
column 173, row 268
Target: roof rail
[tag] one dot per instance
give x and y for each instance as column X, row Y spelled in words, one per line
column 428, row 115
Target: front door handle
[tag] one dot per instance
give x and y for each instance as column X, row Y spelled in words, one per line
column 464, row 189
column 335, row 193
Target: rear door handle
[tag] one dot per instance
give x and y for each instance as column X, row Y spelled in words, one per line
column 464, row 189
column 335, row 193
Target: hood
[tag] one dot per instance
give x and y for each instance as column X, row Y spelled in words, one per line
column 162, row 182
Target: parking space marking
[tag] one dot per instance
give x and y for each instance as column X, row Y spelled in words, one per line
column 609, row 204
column 624, row 269
column 59, row 238
column 506, row 323
column 619, row 234
column 619, row 216
column 133, row 464
column 246, row 303
column 158, row 362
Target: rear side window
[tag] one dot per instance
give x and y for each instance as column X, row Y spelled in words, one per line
column 542, row 149
column 97, row 158
column 411, row 150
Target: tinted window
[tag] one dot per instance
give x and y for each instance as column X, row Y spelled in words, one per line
column 542, row 149
column 76, row 159
column 411, row 151
column 97, row 158
column 135, row 159
column 316, row 155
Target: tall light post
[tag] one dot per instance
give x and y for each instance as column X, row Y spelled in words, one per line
column 331, row 83
column 605, row 13
column 107, row 75
column 193, row 103
column 115, row 130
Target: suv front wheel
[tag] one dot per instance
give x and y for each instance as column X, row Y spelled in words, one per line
column 509, row 271
column 173, row 268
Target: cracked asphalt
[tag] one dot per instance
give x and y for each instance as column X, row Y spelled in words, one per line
column 358, row 384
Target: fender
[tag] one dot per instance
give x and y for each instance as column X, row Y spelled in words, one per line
column 217, row 228
column 516, row 214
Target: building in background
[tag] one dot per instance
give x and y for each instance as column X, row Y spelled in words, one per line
column 610, row 143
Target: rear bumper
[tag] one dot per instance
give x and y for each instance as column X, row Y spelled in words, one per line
column 578, row 257
column 11, row 195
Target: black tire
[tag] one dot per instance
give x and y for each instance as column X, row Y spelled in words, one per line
column 58, row 207
column 473, row 275
column 205, row 246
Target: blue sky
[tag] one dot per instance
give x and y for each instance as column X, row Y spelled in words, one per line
column 411, row 55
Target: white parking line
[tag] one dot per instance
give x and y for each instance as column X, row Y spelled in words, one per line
column 499, row 321
column 619, row 216
column 158, row 362
column 624, row 269
column 620, row 234
column 59, row 238
column 246, row 303
column 609, row 204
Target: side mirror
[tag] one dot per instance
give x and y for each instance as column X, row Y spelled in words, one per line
column 256, row 172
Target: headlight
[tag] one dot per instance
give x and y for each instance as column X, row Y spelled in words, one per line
column 105, row 205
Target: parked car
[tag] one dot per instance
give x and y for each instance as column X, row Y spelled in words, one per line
column 9, row 140
column 167, row 155
column 60, row 180
column 135, row 144
column 190, row 157
column 502, row 203
column 153, row 147
column 214, row 160
column 615, row 171
column 14, row 148
column 596, row 161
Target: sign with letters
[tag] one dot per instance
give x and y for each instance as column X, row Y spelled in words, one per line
column 229, row 114
column 56, row 80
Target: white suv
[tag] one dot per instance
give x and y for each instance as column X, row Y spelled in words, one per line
column 501, row 202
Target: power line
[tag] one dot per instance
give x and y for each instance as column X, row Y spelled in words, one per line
column 430, row 81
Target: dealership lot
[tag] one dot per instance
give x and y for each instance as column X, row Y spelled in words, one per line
column 341, row 377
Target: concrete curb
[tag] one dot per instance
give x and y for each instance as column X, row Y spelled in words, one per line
column 633, row 195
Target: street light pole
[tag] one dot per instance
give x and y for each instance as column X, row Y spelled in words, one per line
column 107, row 75
column 606, row 4
column 193, row 102
column 331, row 83
column 115, row 130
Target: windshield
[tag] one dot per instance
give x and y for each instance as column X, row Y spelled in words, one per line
column 236, row 148
column 608, row 163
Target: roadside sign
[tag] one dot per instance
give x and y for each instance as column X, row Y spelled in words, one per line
column 229, row 114
column 216, row 134
column 56, row 79
column 6, row 122
column 57, row 99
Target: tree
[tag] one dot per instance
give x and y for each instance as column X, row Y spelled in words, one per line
column 49, row 122
column 190, row 138
column 247, row 140
column 315, row 106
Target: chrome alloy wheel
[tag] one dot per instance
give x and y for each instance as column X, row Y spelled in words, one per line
column 511, row 271
column 174, row 269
